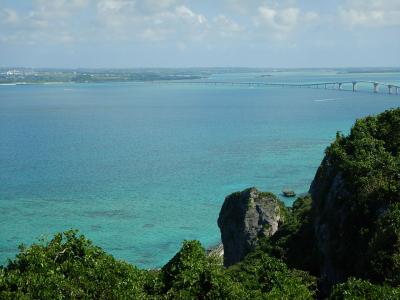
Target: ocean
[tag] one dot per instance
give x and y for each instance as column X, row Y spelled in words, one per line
column 140, row 167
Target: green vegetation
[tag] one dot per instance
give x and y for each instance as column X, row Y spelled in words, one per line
column 366, row 242
column 361, row 174
column 265, row 277
column 70, row 266
column 357, row 289
column 97, row 75
column 294, row 241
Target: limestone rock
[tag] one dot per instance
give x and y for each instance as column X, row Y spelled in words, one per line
column 244, row 218
column 217, row 251
column 327, row 190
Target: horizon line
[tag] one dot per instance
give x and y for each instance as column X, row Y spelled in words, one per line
column 200, row 67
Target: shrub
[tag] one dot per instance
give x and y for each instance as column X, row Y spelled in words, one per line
column 190, row 274
column 357, row 289
column 69, row 266
column 266, row 277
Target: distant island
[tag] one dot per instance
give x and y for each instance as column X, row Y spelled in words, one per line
column 370, row 71
column 27, row 76
column 43, row 75
column 14, row 75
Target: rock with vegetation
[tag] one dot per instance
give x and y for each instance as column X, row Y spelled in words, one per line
column 288, row 193
column 245, row 217
column 356, row 203
column 294, row 241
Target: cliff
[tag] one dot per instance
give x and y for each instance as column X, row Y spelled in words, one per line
column 356, row 195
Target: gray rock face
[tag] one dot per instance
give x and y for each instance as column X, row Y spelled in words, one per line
column 327, row 190
column 244, row 217
column 217, row 251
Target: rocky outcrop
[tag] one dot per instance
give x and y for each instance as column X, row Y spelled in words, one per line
column 216, row 251
column 244, row 218
column 343, row 228
column 327, row 189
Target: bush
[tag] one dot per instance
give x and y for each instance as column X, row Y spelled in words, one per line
column 294, row 240
column 69, row 266
column 190, row 274
column 266, row 277
column 357, row 289
column 384, row 248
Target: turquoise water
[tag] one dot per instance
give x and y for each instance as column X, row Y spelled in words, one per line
column 139, row 167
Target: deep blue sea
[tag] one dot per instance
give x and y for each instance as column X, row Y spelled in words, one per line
column 140, row 167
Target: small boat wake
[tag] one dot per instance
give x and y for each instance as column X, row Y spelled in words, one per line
column 328, row 99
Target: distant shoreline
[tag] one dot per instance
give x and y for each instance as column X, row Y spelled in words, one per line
column 24, row 76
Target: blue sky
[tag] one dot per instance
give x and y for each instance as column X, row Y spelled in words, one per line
column 202, row 33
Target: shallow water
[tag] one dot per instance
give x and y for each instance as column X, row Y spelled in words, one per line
column 139, row 167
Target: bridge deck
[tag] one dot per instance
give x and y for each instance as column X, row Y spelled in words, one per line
column 326, row 85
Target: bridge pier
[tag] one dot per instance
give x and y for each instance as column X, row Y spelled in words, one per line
column 354, row 86
column 392, row 88
column 376, row 87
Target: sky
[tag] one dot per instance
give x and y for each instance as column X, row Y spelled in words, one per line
column 201, row 33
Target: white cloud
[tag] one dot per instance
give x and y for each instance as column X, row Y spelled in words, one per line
column 174, row 21
column 154, row 35
column 9, row 16
column 48, row 21
column 226, row 27
column 248, row 7
column 371, row 13
column 56, row 9
column 187, row 14
column 279, row 22
column 311, row 16
column 151, row 20
column 115, row 13
column 181, row 46
column 151, row 6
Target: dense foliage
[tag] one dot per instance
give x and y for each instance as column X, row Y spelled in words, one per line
column 366, row 241
column 70, row 266
column 357, row 289
column 294, row 241
column 265, row 277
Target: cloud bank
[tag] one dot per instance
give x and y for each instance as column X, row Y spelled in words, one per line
column 185, row 25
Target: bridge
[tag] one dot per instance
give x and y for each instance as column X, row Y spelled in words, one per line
column 390, row 88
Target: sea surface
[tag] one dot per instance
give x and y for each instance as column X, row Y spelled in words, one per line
column 140, row 167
